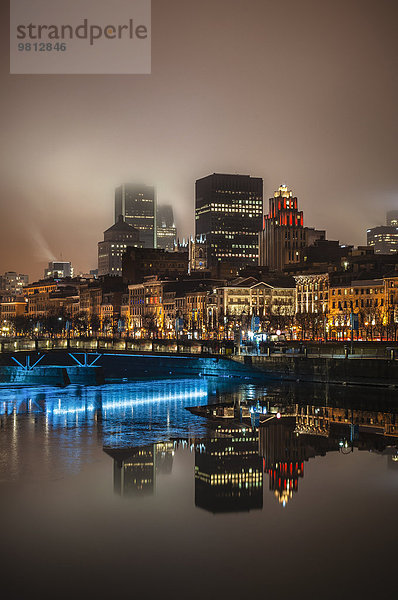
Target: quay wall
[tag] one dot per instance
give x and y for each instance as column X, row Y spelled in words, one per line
column 58, row 368
column 52, row 375
column 363, row 371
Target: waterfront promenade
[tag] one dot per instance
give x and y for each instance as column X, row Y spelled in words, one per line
column 344, row 349
column 94, row 361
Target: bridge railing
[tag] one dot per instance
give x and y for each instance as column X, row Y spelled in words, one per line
column 311, row 350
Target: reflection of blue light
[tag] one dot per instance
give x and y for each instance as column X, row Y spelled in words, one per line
column 123, row 415
column 70, row 411
column 129, row 403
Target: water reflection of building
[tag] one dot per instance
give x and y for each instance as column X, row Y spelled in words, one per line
column 228, row 471
column 164, row 454
column 304, row 432
column 284, row 451
column 392, row 458
column 135, row 469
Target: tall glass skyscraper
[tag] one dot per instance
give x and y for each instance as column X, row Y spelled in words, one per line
column 229, row 211
column 137, row 204
column 166, row 229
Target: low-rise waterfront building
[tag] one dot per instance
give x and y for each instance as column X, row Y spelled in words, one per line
column 359, row 307
column 10, row 308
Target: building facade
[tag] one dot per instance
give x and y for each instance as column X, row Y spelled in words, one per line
column 391, row 301
column 146, row 308
column 198, row 253
column 166, row 230
column 117, row 239
column 283, row 235
column 138, row 263
column 228, row 211
column 137, row 204
column 383, row 239
column 12, row 283
column 312, row 293
column 58, row 270
column 363, row 298
column 11, row 308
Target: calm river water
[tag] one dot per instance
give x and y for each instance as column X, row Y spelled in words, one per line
column 120, row 491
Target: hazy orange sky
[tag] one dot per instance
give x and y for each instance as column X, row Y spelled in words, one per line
column 303, row 92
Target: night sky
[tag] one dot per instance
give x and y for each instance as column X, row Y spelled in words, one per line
column 301, row 92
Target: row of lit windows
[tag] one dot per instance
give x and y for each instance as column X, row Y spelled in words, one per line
column 358, row 291
column 232, row 255
column 350, row 304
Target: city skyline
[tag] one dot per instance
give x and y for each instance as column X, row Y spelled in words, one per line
column 60, row 256
column 198, row 297
column 330, row 134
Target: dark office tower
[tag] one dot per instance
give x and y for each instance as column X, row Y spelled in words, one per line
column 284, row 235
column 137, row 204
column 228, row 211
column 166, row 231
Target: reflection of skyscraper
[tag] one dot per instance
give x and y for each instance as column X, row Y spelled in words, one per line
column 283, row 452
column 228, row 472
column 392, row 459
column 133, row 470
column 164, row 457
column 286, row 443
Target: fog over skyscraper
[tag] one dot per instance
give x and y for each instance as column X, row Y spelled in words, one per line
column 137, row 204
column 166, row 231
column 392, row 218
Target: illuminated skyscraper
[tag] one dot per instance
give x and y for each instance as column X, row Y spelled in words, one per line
column 228, row 211
column 284, row 235
column 384, row 239
column 165, row 228
column 137, row 204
